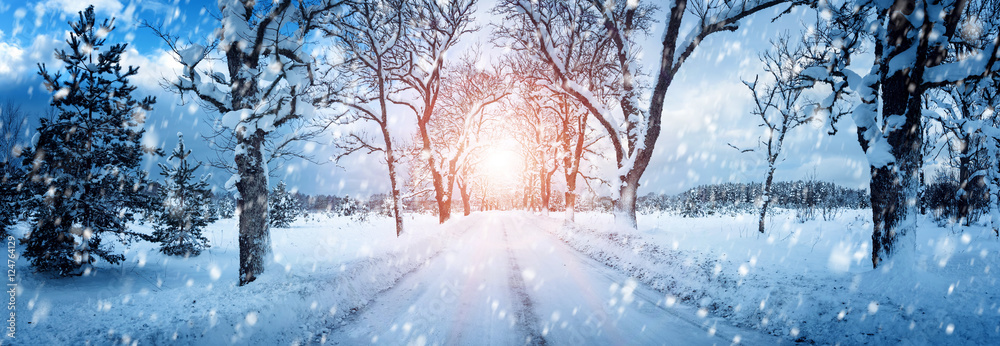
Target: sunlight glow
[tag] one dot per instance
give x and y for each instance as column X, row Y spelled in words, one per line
column 501, row 165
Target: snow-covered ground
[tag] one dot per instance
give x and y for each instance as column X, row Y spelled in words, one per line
column 322, row 269
column 509, row 281
column 515, row 277
column 812, row 281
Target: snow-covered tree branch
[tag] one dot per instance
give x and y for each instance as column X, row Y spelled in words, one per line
column 555, row 30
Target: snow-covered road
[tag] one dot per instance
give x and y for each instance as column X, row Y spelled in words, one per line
column 508, row 280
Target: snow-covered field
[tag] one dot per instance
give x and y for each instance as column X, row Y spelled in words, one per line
column 511, row 277
column 321, row 270
column 812, row 281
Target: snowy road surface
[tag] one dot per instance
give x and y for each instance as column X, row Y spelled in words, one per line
column 509, row 281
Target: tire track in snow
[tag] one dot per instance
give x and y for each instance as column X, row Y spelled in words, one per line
column 325, row 326
column 525, row 310
column 462, row 296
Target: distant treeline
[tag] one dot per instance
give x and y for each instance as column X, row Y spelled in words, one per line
column 736, row 198
column 942, row 198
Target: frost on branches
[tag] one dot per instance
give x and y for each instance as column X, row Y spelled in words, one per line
column 184, row 206
column 918, row 46
column 367, row 40
column 567, row 34
column 425, row 48
column 85, row 182
column 965, row 116
column 778, row 106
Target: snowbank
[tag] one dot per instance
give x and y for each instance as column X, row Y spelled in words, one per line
column 810, row 282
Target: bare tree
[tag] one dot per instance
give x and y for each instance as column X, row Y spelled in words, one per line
column 576, row 138
column 777, row 106
column 553, row 30
column 467, row 95
column 263, row 87
column 914, row 53
column 569, row 118
column 434, row 27
column 991, row 160
column 966, row 111
column 12, row 121
column 419, row 184
column 534, row 122
column 464, row 180
column 368, row 34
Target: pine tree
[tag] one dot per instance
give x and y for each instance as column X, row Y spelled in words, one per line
column 85, row 181
column 185, row 206
column 226, row 205
column 8, row 197
column 285, row 207
column 9, row 175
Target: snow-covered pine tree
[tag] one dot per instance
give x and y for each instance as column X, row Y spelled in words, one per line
column 226, row 205
column 85, row 181
column 285, row 207
column 8, row 196
column 184, row 209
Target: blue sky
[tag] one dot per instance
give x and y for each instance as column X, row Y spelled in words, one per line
column 706, row 107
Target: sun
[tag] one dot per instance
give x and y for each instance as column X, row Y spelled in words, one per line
column 501, row 166
column 500, row 161
column 499, row 174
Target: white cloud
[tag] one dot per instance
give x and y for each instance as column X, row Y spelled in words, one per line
column 11, row 58
column 153, row 68
column 17, row 63
column 67, row 10
column 112, row 7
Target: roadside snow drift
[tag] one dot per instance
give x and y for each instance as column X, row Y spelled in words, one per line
column 812, row 281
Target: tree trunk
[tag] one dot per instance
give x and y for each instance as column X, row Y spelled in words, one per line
column 572, row 167
column 766, row 198
column 443, row 200
column 570, row 206
column 888, row 213
column 893, row 196
column 545, row 191
column 894, row 186
column 922, row 200
column 255, row 238
column 440, row 195
column 624, row 205
column 964, row 174
column 391, row 162
column 464, row 191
